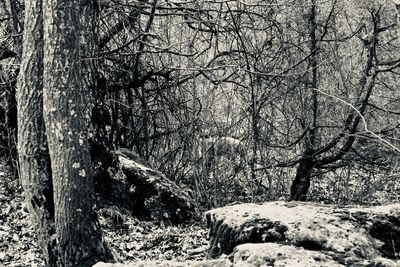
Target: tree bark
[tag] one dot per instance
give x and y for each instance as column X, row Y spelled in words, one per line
column 301, row 182
column 77, row 231
column 35, row 171
column 10, row 94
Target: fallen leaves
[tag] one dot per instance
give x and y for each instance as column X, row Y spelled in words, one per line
column 138, row 240
column 129, row 238
column 17, row 239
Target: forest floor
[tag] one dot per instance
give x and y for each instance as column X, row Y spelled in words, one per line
column 129, row 238
column 134, row 240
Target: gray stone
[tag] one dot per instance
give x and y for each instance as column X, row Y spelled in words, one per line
column 207, row 263
column 348, row 235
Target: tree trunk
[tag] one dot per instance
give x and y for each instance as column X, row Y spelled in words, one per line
column 11, row 129
column 77, row 231
column 34, row 162
column 301, row 182
column 10, row 93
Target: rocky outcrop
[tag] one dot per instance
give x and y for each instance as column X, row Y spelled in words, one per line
column 152, row 194
column 132, row 184
column 308, row 233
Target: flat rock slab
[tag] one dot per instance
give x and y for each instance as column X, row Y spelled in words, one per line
column 208, row 263
column 271, row 254
column 349, row 236
column 263, row 255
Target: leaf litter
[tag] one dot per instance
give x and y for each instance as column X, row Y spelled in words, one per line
column 129, row 238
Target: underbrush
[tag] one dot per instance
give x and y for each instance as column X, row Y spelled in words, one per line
column 129, row 238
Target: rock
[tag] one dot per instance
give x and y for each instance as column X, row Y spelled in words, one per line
column 266, row 254
column 198, row 250
column 271, row 254
column 207, row 263
column 18, row 264
column 382, row 262
column 349, row 236
column 152, row 194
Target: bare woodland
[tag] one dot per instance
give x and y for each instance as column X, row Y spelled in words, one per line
column 162, row 109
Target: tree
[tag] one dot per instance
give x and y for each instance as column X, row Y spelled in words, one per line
column 332, row 150
column 35, row 171
column 77, row 231
column 56, row 177
column 11, row 10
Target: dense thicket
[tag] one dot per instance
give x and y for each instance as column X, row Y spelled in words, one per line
column 240, row 100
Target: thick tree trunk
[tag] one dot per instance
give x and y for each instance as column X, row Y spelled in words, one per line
column 77, row 231
column 301, row 182
column 34, row 162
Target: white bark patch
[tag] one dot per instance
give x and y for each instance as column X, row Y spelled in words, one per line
column 76, row 165
column 57, row 131
column 82, row 173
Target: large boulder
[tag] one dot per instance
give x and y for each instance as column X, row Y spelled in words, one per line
column 131, row 184
column 306, row 232
column 152, row 194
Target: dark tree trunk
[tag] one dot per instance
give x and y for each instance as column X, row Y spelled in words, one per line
column 35, row 171
column 12, row 10
column 11, row 129
column 301, row 183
